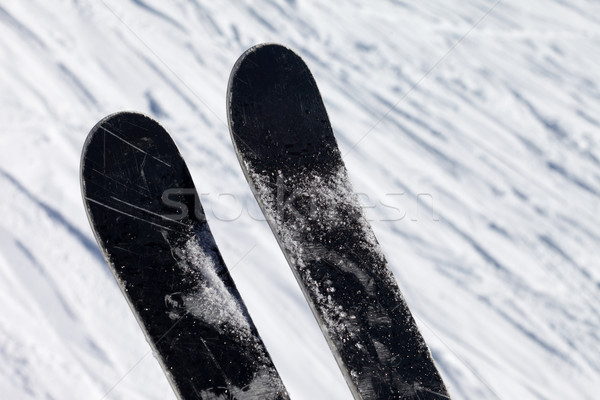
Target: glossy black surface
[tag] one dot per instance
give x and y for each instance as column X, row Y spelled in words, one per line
column 146, row 217
column 287, row 150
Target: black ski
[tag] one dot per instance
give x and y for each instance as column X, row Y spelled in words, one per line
column 291, row 160
column 149, row 223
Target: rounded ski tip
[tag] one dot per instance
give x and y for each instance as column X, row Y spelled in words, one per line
column 259, row 48
column 125, row 115
column 273, row 51
column 139, row 121
column 275, row 112
column 92, row 134
column 130, row 127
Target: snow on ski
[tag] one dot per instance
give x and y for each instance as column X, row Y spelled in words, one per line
column 148, row 221
column 287, row 150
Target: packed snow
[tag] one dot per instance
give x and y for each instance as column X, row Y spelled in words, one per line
column 469, row 128
column 210, row 301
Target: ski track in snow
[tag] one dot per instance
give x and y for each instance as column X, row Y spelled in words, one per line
column 478, row 167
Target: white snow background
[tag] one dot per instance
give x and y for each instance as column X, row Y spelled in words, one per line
column 470, row 127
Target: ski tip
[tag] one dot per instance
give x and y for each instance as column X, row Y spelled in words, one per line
column 275, row 112
column 131, row 127
column 134, row 118
column 106, row 121
column 261, row 47
column 272, row 51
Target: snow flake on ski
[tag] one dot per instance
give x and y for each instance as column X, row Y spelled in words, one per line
column 210, row 301
column 337, row 260
column 301, row 206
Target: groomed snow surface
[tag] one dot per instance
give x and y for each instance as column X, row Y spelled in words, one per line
column 470, row 129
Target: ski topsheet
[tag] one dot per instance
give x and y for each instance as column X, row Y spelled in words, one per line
column 149, row 223
column 287, row 150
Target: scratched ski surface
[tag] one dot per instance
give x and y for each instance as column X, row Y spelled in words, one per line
column 148, row 221
column 285, row 144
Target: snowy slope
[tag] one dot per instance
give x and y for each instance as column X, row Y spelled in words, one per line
column 470, row 128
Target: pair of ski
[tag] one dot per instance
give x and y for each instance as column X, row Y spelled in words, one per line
column 148, row 221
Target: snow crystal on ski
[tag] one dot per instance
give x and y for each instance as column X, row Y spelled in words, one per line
column 211, row 301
